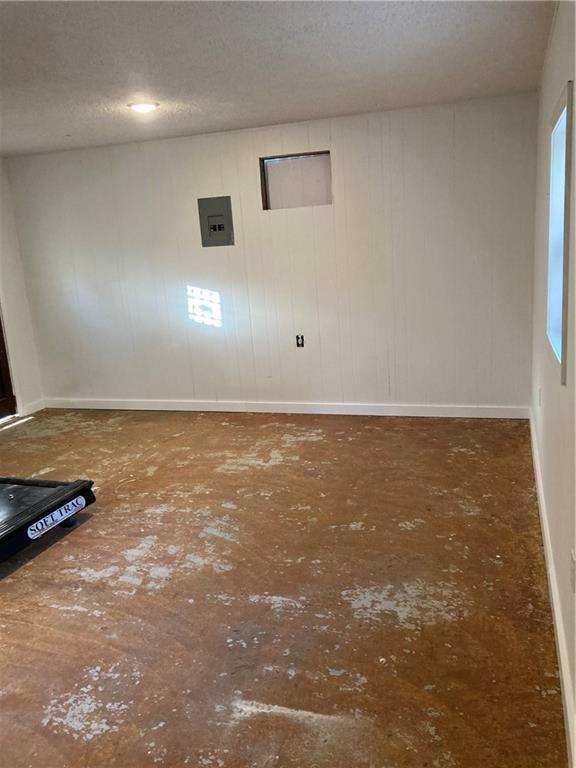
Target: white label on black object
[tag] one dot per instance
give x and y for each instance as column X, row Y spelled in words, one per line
column 40, row 527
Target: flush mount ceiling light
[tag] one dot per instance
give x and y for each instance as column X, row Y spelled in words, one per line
column 145, row 106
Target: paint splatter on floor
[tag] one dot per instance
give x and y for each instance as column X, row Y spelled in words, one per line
column 280, row 592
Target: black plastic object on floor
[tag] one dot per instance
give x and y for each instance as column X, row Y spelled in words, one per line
column 31, row 508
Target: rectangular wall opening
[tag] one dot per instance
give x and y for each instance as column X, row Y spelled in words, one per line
column 295, row 181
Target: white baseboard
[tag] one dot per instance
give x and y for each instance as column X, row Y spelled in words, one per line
column 568, row 693
column 261, row 406
column 26, row 409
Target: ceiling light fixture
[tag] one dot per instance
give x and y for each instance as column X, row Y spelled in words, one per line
column 147, row 106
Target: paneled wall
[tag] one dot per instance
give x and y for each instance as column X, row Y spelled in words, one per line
column 414, row 287
column 16, row 319
column 553, row 405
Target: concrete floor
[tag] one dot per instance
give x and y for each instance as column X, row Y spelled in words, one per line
column 280, row 592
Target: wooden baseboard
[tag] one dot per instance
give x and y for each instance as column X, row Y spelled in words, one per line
column 259, row 406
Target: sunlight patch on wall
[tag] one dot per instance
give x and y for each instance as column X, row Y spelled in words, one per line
column 204, row 306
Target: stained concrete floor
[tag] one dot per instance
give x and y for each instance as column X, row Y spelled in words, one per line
column 273, row 591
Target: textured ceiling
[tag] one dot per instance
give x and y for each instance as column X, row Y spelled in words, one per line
column 69, row 69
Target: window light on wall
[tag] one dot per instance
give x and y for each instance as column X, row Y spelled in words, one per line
column 558, row 229
column 204, row 306
column 294, row 181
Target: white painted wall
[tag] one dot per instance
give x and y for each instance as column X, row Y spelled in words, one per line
column 16, row 319
column 414, row 287
column 554, row 419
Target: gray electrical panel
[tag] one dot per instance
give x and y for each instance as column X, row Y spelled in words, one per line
column 216, row 224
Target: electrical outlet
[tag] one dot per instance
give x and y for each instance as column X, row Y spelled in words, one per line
column 299, row 339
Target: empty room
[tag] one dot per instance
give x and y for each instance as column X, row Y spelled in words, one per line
column 287, row 384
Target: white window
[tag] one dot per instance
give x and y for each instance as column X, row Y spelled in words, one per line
column 558, row 228
column 293, row 181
